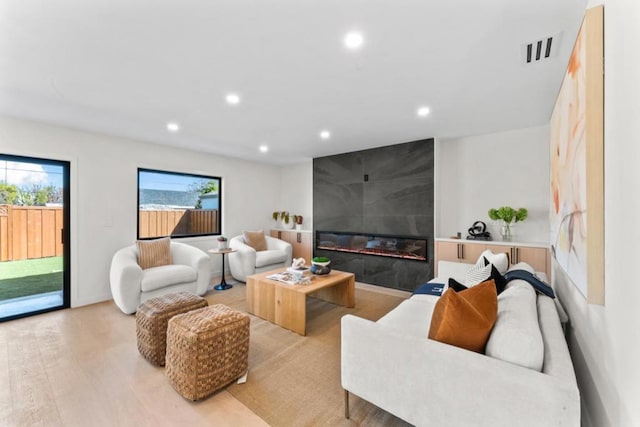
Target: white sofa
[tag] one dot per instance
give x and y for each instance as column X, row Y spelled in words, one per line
column 393, row 364
column 247, row 261
column 131, row 285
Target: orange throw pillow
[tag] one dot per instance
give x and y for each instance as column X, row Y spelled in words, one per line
column 154, row 253
column 255, row 239
column 465, row 318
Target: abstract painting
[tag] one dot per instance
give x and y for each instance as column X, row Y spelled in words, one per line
column 577, row 164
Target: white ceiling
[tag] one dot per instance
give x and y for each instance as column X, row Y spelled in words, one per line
column 127, row 67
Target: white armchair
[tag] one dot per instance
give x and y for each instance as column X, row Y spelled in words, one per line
column 131, row 285
column 247, row 261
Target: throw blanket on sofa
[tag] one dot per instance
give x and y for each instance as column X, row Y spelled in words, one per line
column 530, row 278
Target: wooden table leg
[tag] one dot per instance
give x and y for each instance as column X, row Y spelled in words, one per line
column 291, row 310
column 342, row 293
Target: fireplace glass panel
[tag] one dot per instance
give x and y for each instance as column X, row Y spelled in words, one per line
column 405, row 247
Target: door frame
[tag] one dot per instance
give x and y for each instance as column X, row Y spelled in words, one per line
column 66, row 230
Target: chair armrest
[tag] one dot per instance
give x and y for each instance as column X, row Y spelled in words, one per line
column 281, row 245
column 425, row 381
column 125, row 277
column 199, row 260
column 243, row 262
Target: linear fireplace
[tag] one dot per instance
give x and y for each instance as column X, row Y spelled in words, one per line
column 405, row 247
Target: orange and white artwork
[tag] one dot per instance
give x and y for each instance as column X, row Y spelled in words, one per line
column 569, row 169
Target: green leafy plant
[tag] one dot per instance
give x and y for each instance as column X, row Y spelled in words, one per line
column 222, row 239
column 286, row 217
column 275, row 215
column 508, row 214
column 320, row 259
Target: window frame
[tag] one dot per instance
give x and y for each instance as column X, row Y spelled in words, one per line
column 182, row 174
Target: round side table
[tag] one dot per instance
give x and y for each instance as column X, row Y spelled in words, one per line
column 223, row 285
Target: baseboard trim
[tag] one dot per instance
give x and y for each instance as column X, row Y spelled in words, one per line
column 383, row 290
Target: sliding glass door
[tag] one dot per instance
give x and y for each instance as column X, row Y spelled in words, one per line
column 34, row 236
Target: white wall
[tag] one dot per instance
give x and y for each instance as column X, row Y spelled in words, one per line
column 604, row 339
column 476, row 173
column 296, row 191
column 104, row 193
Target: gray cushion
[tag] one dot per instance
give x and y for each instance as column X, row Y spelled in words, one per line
column 516, row 336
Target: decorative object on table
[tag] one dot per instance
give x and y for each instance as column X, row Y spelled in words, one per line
column 320, row 265
column 508, row 216
column 297, row 220
column 222, row 243
column 298, row 267
column 478, row 231
column 298, row 263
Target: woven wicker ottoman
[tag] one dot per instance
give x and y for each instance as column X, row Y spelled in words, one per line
column 206, row 350
column 152, row 318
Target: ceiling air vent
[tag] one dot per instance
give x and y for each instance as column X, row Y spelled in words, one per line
column 541, row 49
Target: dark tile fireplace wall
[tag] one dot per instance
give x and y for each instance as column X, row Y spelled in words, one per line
column 387, row 190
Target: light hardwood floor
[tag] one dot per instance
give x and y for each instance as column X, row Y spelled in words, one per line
column 81, row 367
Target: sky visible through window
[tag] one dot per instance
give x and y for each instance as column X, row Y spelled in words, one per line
column 28, row 174
column 171, row 182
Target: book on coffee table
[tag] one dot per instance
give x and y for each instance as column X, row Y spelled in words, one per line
column 299, row 271
column 290, row 278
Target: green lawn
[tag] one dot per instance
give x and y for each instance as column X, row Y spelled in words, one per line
column 30, row 277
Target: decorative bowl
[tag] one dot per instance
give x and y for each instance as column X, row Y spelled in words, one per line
column 321, row 261
column 319, row 269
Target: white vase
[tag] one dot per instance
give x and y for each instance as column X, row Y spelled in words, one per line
column 288, row 225
column 298, row 227
column 223, row 245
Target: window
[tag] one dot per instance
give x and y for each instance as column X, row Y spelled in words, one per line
column 178, row 204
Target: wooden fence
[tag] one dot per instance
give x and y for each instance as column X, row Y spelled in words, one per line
column 156, row 223
column 28, row 232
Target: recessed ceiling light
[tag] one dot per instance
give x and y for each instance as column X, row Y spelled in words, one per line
column 173, row 127
column 353, row 40
column 325, row 134
column 264, row 148
column 233, row 98
column 423, row 111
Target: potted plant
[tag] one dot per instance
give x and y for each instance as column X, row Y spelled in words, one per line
column 508, row 215
column 286, row 220
column 297, row 220
column 276, row 217
column 222, row 243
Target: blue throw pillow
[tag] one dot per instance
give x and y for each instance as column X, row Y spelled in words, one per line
column 530, row 278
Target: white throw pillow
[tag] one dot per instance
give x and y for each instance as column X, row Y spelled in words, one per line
column 516, row 336
column 477, row 274
column 500, row 260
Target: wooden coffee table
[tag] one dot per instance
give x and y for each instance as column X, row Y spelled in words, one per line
column 286, row 305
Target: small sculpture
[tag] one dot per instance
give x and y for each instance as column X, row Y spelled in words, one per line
column 298, row 263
